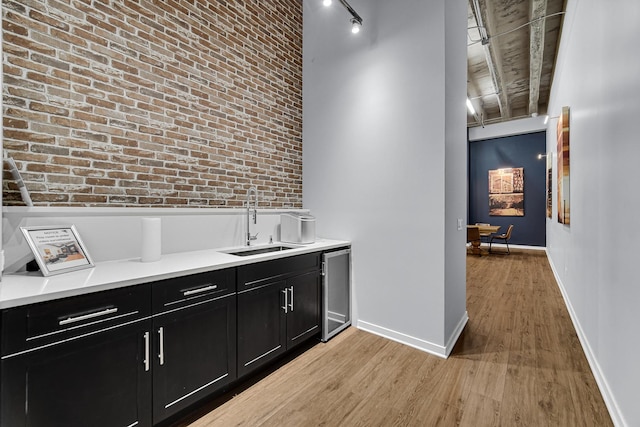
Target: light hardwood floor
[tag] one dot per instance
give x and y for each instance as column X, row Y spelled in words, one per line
column 517, row 363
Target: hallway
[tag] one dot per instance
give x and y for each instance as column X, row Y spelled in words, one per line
column 518, row 362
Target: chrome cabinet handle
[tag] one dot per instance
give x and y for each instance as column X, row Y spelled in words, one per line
column 324, row 269
column 286, row 305
column 291, row 302
column 146, row 351
column 161, row 352
column 88, row 316
column 208, row 287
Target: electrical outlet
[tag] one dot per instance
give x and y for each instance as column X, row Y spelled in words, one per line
column 459, row 224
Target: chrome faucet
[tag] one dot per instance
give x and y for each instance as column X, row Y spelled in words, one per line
column 253, row 190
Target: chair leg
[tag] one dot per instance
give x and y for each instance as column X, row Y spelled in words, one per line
column 500, row 252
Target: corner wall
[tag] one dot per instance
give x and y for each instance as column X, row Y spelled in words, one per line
column 377, row 137
column 595, row 258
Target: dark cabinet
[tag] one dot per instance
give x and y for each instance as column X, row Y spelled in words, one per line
column 194, row 339
column 77, row 362
column 278, row 308
column 303, row 314
column 138, row 355
column 261, row 326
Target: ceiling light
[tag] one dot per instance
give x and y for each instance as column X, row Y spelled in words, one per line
column 547, row 118
column 470, row 107
column 356, row 20
column 355, row 26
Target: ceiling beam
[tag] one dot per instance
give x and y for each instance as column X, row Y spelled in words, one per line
column 492, row 54
column 536, row 48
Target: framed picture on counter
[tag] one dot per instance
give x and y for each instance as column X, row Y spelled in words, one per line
column 58, row 249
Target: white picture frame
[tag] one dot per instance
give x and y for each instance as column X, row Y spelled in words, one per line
column 57, row 249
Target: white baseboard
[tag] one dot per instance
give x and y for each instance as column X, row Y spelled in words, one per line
column 417, row 343
column 603, row 385
column 502, row 245
column 456, row 333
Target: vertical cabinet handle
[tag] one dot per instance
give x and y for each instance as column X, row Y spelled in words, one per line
column 286, row 305
column 146, row 351
column 291, row 299
column 161, row 351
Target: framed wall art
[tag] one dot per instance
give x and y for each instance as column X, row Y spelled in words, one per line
column 549, row 186
column 506, row 192
column 57, row 249
column 564, row 205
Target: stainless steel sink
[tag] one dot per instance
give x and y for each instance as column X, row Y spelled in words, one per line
column 260, row 250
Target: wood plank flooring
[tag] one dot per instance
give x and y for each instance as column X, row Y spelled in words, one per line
column 517, row 363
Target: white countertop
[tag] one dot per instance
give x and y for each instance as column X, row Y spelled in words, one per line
column 31, row 287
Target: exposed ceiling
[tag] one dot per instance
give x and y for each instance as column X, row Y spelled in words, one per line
column 511, row 53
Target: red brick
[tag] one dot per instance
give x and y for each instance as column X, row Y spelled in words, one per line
column 211, row 99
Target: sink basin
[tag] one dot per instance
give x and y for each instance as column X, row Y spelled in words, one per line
column 260, row 250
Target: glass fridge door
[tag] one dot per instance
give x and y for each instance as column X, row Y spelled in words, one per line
column 336, row 292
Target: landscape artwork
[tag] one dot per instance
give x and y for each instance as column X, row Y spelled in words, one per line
column 564, row 207
column 506, row 192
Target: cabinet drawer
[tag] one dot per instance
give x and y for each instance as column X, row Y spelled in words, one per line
column 175, row 293
column 252, row 275
column 41, row 324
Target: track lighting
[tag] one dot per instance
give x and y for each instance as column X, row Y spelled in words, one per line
column 546, row 118
column 356, row 20
column 355, row 26
column 470, row 107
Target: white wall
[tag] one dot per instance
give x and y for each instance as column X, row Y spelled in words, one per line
column 509, row 128
column 595, row 258
column 374, row 168
column 455, row 166
column 116, row 233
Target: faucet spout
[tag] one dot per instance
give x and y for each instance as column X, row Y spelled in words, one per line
column 253, row 190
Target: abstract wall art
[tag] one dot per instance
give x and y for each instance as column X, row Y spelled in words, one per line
column 564, row 207
column 549, row 186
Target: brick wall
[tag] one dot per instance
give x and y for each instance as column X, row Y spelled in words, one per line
column 153, row 103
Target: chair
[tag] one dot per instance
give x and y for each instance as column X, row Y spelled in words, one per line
column 473, row 236
column 483, row 224
column 504, row 237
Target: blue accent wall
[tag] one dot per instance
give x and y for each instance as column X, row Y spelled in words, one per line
column 520, row 151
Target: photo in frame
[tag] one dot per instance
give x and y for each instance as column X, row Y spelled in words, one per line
column 506, row 192
column 57, row 249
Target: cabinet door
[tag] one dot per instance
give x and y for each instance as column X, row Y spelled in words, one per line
column 303, row 317
column 99, row 380
column 195, row 354
column 261, row 326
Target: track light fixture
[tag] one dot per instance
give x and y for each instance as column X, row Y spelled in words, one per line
column 356, row 20
column 470, row 107
column 355, row 26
